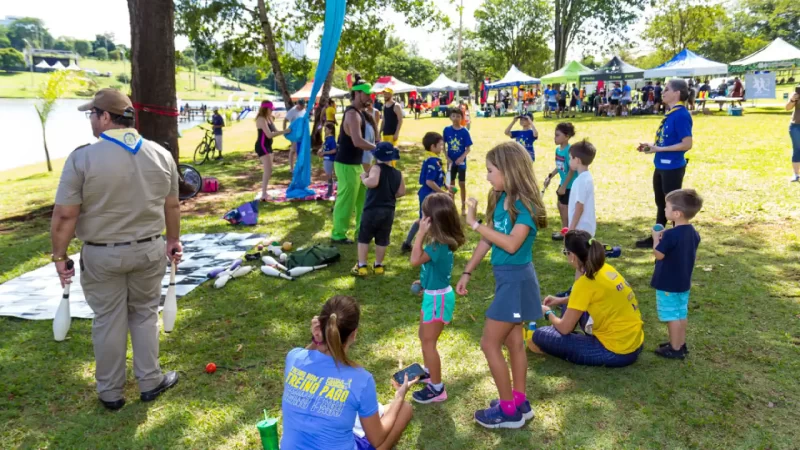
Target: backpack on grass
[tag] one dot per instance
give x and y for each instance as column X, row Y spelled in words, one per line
column 313, row 256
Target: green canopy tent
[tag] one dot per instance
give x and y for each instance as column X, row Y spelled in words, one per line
column 570, row 73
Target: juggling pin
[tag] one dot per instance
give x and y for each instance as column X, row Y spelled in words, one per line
column 224, row 277
column 219, row 270
column 242, row 271
column 275, row 250
column 63, row 318
column 170, row 302
column 270, row 261
column 302, row 270
column 273, row 272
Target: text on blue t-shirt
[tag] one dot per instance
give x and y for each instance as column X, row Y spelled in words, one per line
column 525, row 138
column 675, row 126
column 431, row 170
column 457, row 142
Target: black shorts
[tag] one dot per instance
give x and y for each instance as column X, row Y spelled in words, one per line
column 376, row 224
column 564, row 199
column 614, row 101
column 573, row 102
column 459, row 171
column 562, row 104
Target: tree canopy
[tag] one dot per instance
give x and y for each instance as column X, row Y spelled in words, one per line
column 684, row 24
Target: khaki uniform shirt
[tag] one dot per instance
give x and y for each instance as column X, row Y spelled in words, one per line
column 121, row 194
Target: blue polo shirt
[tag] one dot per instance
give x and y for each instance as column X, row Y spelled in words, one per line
column 525, row 138
column 457, row 142
column 674, row 272
column 677, row 125
column 217, row 119
column 501, row 219
column 431, row 170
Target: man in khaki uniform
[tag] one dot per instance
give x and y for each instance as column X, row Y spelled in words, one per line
column 117, row 195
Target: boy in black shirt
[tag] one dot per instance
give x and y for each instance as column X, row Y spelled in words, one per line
column 676, row 251
column 384, row 184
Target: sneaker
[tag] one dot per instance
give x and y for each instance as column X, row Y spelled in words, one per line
column 429, row 395
column 669, row 353
column 795, row 179
column 645, row 243
column 378, row 269
column 359, row 270
column 494, row 417
column 405, row 248
column 666, row 344
column 525, row 409
column 557, row 236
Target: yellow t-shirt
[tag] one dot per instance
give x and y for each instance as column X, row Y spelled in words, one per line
column 330, row 114
column 612, row 304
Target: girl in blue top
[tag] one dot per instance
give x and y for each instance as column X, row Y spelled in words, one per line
column 324, row 391
column 441, row 233
column 514, row 213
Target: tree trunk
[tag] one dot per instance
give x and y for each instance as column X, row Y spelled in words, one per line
column 316, row 135
column 272, row 54
column 46, row 152
column 153, row 68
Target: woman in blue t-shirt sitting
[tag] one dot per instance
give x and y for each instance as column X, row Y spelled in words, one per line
column 325, row 393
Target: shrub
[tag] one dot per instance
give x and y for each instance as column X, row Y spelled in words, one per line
column 101, row 54
column 11, row 59
column 124, row 78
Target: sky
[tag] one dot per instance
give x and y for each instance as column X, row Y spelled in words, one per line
column 83, row 19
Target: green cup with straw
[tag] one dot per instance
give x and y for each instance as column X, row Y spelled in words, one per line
column 268, row 429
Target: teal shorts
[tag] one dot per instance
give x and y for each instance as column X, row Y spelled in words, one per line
column 438, row 305
column 672, row 306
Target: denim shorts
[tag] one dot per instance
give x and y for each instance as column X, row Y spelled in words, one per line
column 672, row 306
column 794, row 133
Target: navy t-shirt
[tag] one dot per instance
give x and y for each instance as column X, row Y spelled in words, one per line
column 674, row 272
column 217, row 120
column 431, row 170
column 525, row 138
column 457, row 142
column 676, row 126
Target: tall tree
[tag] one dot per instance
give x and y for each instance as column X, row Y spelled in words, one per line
column 683, row 24
column 30, row 29
column 770, row 19
column 515, row 32
column 153, row 68
column 411, row 69
column 592, row 22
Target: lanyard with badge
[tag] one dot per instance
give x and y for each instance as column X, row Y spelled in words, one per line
column 660, row 130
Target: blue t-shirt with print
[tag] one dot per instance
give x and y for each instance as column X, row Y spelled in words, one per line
column 321, row 401
column 677, row 125
column 551, row 95
column 431, row 170
column 435, row 274
column 216, row 119
column 525, row 138
column 562, row 165
column 501, row 220
column 674, row 272
column 330, row 144
column 457, row 142
column 616, row 93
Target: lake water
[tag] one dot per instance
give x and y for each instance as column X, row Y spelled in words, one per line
column 67, row 128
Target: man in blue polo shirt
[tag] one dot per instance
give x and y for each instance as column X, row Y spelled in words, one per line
column 673, row 140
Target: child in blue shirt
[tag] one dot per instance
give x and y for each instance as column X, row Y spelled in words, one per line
column 459, row 144
column 527, row 135
column 328, row 154
column 431, row 178
column 676, row 252
column 441, row 234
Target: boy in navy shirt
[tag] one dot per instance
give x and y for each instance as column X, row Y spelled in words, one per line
column 459, row 144
column 328, row 154
column 676, row 251
column 527, row 135
column 431, row 178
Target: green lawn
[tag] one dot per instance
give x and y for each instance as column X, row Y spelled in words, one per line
column 25, row 85
column 737, row 389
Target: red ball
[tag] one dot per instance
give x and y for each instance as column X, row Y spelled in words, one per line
column 211, row 367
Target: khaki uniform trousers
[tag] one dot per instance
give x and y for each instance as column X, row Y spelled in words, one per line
column 122, row 285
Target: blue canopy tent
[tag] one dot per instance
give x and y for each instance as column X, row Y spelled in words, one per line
column 514, row 77
column 687, row 64
column 300, row 131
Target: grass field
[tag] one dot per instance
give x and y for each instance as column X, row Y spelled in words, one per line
column 25, row 85
column 737, row 389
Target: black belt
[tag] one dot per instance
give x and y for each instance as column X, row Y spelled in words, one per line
column 122, row 244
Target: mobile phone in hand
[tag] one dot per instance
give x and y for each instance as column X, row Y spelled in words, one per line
column 413, row 371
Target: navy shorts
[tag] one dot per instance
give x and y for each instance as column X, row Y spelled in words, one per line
column 516, row 294
column 564, row 199
column 458, row 171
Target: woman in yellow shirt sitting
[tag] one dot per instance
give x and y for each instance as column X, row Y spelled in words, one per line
column 613, row 326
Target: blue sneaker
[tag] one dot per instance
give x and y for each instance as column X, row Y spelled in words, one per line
column 495, row 418
column 525, row 409
column 429, row 395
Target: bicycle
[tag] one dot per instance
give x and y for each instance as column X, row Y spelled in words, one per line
column 206, row 148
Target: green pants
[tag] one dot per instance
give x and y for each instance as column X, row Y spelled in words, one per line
column 350, row 196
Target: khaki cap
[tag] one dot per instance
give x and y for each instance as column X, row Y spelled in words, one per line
column 110, row 100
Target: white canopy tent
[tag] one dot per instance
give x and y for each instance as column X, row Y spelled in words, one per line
column 445, row 84
column 687, row 64
column 514, row 77
column 305, row 92
column 43, row 65
column 58, row 66
column 397, row 86
column 777, row 55
column 74, row 67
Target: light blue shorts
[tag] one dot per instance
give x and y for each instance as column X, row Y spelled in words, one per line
column 672, row 306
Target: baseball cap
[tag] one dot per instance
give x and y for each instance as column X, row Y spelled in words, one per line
column 388, row 90
column 385, row 152
column 363, row 87
column 110, row 100
column 267, row 104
